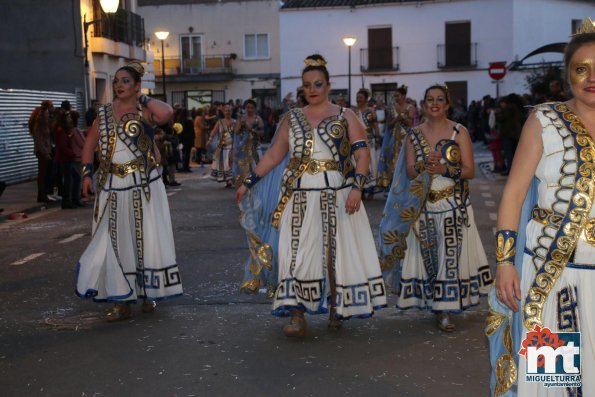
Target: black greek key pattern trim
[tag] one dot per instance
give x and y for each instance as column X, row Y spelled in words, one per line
column 361, row 294
column 298, row 210
column 158, row 278
column 567, row 313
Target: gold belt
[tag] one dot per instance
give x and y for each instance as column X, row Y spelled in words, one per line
column 121, row 170
column 437, row 195
column 315, row 166
column 546, row 217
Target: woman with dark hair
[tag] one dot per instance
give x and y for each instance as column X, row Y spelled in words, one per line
column 430, row 246
column 367, row 115
column 248, row 132
column 131, row 254
column 545, row 245
column 325, row 259
column 400, row 118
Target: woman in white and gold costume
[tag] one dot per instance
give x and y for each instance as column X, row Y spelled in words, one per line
column 367, row 115
column 400, row 118
column 248, row 132
column 326, row 254
column 131, row 254
column 545, row 254
column 222, row 137
column 430, row 246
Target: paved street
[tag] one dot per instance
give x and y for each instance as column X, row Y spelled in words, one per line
column 215, row 341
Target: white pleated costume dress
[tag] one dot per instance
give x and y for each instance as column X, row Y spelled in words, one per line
column 570, row 304
column 445, row 268
column 221, row 168
column 131, row 254
column 315, row 230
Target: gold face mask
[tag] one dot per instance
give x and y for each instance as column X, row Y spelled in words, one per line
column 581, row 70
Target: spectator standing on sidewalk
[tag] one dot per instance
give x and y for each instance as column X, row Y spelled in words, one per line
column 78, row 143
column 91, row 113
column 66, row 158
column 39, row 128
column 510, row 124
column 186, row 137
column 199, row 135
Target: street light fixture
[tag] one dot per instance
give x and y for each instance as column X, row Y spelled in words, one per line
column 108, row 7
column 162, row 35
column 349, row 42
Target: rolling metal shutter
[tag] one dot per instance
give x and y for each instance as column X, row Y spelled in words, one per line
column 17, row 160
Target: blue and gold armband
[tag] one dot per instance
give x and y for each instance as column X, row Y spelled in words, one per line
column 505, row 247
column 144, row 100
column 359, row 182
column 87, row 170
column 359, row 145
column 251, row 180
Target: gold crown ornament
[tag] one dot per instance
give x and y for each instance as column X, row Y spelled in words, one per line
column 314, row 62
column 137, row 67
column 588, row 26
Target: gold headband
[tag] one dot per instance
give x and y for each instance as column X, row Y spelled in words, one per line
column 314, row 62
column 588, row 26
column 137, row 67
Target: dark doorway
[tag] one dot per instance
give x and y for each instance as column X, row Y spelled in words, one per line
column 458, row 44
column 380, row 44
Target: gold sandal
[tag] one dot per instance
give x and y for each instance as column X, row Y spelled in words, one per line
column 149, row 306
column 296, row 326
column 118, row 313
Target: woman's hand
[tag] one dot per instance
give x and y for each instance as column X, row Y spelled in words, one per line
column 87, row 187
column 354, row 200
column 433, row 164
column 240, row 192
column 508, row 290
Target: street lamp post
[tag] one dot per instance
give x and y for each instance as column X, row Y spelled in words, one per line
column 109, row 7
column 349, row 42
column 162, row 35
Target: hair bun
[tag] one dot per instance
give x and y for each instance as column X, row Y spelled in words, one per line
column 137, row 67
column 315, row 60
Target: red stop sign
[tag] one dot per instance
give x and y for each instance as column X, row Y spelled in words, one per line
column 497, row 70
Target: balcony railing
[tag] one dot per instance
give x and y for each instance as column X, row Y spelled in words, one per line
column 379, row 59
column 205, row 64
column 456, row 55
column 123, row 26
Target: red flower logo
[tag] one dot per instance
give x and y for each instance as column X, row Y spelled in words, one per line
column 540, row 337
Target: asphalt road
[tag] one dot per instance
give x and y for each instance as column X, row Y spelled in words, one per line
column 216, row 341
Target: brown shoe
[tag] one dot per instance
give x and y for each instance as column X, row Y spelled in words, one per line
column 297, row 325
column 118, row 313
column 334, row 323
column 149, row 306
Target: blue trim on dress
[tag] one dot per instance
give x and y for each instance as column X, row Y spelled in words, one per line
column 574, row 265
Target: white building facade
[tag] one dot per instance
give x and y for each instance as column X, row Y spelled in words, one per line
column 113, row 41
column 216, row 50
column 420, row 43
